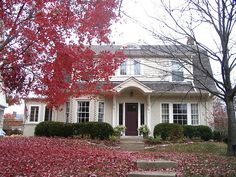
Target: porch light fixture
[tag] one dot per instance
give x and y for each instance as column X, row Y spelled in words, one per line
column 131, row 94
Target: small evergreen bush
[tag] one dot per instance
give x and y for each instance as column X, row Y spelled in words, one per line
column 204, row 132
column 94, row 130
column 51, row 129
column 218, row 135
column 119, row 130
column 189, row 131
column 168, row 131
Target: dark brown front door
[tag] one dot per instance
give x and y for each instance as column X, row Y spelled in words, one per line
column 131, row 119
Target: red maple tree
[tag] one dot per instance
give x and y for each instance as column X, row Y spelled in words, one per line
column 44, row 47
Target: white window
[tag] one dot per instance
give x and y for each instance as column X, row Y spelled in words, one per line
column 123, row 68
column 165, row 113
column 101, row 111
column 137, row 69
column 130, row 67
column 180, row 114
column 83, row 111
column 67, row 111
column 177, row 71
column 194, row 114
column 48, row 114
column 34, row 113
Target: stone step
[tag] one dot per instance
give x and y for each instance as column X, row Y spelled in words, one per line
column 131, row 139
column 151, row 174
column 132, row 146
column 157, row 164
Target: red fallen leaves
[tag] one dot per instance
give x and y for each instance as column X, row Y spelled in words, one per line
column 72, row 157
column 60, row 157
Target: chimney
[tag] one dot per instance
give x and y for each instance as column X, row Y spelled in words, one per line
column 190, row 40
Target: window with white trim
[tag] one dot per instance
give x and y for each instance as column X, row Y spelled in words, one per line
column 194, row 114
column 83, row 111
column 101, row 111
column 34, row 113
column 67, row 111
column 123, row 68
column 130, row 67
column 48, row 114
column 177, row 71
column 137, row 68
column 165, row 112
column 180, row 114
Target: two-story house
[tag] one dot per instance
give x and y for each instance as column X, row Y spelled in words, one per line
column 151, row 87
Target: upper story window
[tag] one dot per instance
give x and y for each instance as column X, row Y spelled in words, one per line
column 177, row 71
column 137, row 70
column 130, row 67
column 123, row 68
column 48, row 114
column 34, row 113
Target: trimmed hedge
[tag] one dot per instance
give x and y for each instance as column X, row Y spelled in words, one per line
column 93, row 130
column 51, row 129
column 201, row 131
column 168, row 131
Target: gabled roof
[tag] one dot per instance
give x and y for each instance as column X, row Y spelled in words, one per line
column 201, row 81
column 133, row 82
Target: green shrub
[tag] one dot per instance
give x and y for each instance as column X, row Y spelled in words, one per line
column 168, row 131
column 218, row 135
column 153, row 140
column 51, row 129
column 94, row 130
column 189, row 131
column 119, row 130
column 204, row 132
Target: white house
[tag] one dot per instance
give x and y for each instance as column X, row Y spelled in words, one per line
column 151, row 87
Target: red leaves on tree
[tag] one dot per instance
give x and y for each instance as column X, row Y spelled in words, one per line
column 43, row 42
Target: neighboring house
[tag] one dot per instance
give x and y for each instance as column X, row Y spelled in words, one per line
column 3, row 105
column 151, row 88
column 13, row 121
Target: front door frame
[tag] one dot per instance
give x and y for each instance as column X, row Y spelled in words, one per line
column 135, row 119
column 139, row 113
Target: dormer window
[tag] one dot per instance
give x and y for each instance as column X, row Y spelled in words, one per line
column 177, row 71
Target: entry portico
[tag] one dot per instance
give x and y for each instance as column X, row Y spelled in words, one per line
column 132, row 106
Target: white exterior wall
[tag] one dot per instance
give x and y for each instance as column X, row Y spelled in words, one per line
column 153, row 69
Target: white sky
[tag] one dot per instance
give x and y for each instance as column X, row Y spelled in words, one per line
column 129, row 32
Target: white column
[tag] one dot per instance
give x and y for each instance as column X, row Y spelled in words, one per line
column 114, row 112
column 149, row 112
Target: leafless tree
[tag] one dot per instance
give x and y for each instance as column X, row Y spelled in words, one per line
column 181, row 21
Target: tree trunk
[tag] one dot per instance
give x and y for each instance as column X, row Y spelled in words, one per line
column 231, row 126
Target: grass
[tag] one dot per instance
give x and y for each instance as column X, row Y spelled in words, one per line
column 196, row 147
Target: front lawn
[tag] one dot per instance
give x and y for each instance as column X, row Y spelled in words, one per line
column 73, row 157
